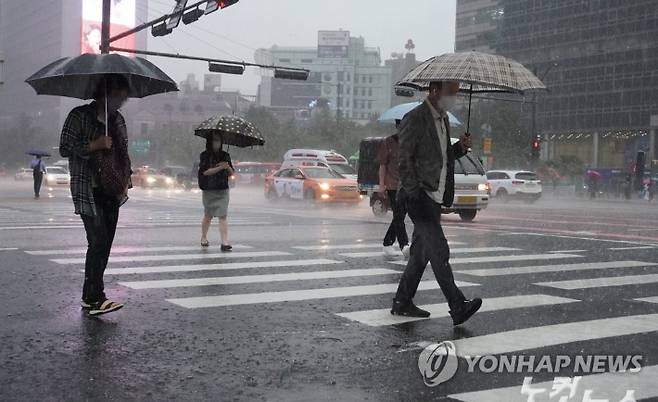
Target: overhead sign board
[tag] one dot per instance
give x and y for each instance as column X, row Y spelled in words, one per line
column 333, row 44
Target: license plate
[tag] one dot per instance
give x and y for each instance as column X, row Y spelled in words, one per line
column 467, row 200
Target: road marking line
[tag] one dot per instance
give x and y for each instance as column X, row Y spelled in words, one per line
column 609, row 385
column 452, row 250
column 503, row 258
column 631, row 248
column 171, row 257
column 551, row 335
column 601, row 282
column 232, row 280
column 297, row 295
column 127, row 249
column 351, row 246
column 568, row 251
column 219, row 267
column 41, row 227
column 8, row 248
column 653, row 299
column 555, row 268
column 380, row 317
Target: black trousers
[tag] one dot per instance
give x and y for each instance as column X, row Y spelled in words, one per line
column 38, row 178
column 100, row 235
column 396, row 230
column 429, row 244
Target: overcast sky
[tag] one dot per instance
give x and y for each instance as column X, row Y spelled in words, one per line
column 234, row 33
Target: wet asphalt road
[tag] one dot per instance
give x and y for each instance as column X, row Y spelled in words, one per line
column 298, row 311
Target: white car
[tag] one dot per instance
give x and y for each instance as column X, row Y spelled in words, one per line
column 316, row 157
column 56, row 175
column 521, row 184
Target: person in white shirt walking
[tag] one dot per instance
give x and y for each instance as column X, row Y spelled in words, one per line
column 427, row 165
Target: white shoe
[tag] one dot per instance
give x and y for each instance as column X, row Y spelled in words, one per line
column 406, row 251
column 390, row 252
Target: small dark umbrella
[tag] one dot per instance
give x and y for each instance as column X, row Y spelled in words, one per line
column 233, row 130
column 37, row 152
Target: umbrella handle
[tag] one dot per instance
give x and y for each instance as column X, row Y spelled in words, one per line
column 468, row 120
column 106, row 119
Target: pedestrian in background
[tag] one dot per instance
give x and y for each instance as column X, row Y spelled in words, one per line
column 215, row 168
column 100, row 179
column 427, row 167
column 389, row 182
column 38, row 169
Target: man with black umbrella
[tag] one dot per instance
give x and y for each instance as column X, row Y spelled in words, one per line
column 427, row 164
column 98, row 189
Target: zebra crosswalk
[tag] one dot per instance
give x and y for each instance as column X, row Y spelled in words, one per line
column 353, row 282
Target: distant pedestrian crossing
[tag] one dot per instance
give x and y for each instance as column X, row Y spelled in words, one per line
column 352, row 281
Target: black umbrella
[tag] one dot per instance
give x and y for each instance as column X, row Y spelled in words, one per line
column 37, row 152
column 233, row 130
column 78, row 77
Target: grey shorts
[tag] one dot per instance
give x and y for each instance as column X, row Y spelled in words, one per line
column 215, row 202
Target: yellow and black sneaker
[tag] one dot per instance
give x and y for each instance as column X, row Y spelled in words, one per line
column 104, row 307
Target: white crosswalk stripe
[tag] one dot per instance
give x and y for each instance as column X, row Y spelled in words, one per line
column 220, row 267
column 452, row 250
column 171, row 257
column 233, row 280
column 533, row 269
column 379, row 317
column 503, row 258
column 297, row 295
column 127, row 249
column 602, row 282
column 551, row 335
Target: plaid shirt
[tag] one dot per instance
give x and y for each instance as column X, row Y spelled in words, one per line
column 80, row 128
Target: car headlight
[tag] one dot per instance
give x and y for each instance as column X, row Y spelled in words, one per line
column 50, row 177
column 483, row 187
column 169, row 180
column 325, row 186
column 150, row 180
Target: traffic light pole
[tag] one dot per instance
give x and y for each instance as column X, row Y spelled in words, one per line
column 105, row 27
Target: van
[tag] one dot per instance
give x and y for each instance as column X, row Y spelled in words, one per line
column 471, row 188
column 314, row 157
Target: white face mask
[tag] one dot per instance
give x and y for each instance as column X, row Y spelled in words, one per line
column 447, row 102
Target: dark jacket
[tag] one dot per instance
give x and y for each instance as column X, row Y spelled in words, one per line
column 217, row 181
column 421, row 157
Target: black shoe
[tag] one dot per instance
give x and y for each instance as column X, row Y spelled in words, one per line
column 408, row 310
column 465, row 311
column 226, row 247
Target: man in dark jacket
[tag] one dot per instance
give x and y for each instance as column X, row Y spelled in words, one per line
column 427, row 165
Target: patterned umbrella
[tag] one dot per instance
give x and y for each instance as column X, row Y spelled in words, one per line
column 233, row 130
column 476, row 72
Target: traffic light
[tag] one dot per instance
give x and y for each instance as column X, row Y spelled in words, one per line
column 214, row 5
column 160, row 29
column 191, row 16
column 300, row 75
column 226, row 68
column 535, row 148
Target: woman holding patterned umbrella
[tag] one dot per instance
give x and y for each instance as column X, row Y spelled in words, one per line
column 215, row 168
